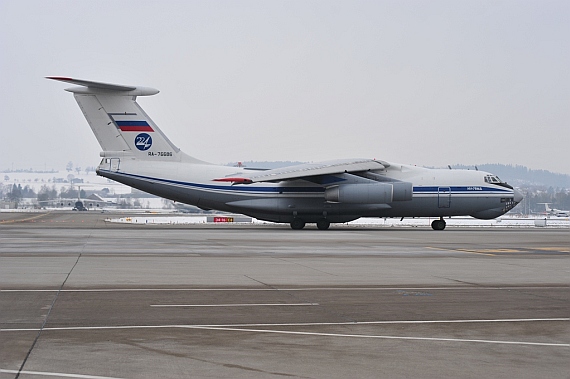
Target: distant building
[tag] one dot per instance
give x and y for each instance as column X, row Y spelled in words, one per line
column 7, row 204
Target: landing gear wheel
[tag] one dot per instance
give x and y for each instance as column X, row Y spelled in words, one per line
column 438, row 224
column 297, row 224
column 323, row 224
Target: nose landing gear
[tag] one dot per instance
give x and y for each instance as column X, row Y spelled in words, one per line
column 438, row 224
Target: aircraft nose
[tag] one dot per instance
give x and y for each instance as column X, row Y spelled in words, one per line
column 517, row 196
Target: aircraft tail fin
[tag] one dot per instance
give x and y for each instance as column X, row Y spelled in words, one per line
column 547, row 209
column 119, row 123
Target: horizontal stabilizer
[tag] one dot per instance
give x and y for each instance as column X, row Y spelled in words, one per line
column 97, row 87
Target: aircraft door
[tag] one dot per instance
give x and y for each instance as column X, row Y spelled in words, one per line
column 443, row 197
column 114, row 164
column 111, row 164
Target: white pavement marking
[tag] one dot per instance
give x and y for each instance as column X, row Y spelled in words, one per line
column 244, row 328
column 234, row 305
column 59, row 374
column 384, row 337
column 354, row 323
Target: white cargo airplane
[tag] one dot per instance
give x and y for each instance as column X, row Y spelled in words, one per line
column 137, row 153
column 555, row 212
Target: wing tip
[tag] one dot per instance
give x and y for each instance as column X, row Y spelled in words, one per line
column 60, row 78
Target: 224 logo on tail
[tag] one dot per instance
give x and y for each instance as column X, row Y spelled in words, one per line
column 143, row 141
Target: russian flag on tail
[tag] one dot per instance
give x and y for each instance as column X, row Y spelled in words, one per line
column 134, row 126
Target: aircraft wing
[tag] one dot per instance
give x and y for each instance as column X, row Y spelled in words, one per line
column 309, row 170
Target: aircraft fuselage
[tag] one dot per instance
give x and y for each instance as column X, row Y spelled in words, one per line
column 436, row 192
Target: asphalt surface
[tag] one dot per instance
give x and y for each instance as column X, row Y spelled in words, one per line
column 84, row 298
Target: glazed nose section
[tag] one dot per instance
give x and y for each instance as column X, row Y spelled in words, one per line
column 517, row 196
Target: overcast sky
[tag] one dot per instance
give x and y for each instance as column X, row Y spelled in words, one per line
column 420, row 82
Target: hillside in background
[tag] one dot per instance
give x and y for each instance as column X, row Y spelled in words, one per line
column 523, row 176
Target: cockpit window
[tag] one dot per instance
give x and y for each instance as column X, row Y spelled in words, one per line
column 494, row 179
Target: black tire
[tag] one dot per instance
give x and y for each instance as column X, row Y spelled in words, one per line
column 323, row 224
column 297, row 224
column 438, row 224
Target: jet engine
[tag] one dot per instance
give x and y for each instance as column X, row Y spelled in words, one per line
column 374, row 193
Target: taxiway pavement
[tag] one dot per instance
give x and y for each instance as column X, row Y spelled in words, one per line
column 80, row 297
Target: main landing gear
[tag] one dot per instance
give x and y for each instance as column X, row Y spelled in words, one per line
column 298, row 224
column 323, row 224
column 438, row 224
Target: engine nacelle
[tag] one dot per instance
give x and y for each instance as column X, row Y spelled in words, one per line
column 403, row 191
column 376, row 193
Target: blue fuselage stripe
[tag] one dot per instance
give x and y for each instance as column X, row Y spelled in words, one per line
column 459, row 189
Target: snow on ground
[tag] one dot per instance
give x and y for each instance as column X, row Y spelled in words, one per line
column 390, row 222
